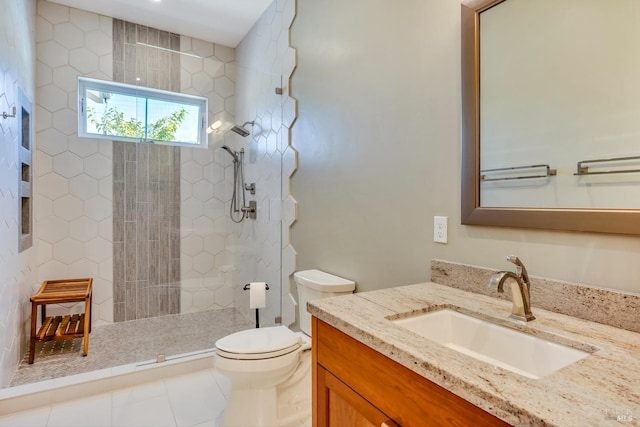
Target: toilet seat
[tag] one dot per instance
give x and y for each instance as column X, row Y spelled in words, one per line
column 258, row 344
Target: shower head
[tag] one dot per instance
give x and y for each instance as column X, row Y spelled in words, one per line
column 240, row 130
column 231, row 152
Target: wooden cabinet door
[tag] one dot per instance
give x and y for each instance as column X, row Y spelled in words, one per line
column 379, row 386
column 345, row 407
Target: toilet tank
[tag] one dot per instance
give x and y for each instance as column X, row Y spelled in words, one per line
column 316, row 284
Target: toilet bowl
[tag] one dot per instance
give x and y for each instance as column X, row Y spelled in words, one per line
column 269, row 369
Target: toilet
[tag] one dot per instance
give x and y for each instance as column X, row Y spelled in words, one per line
column 269, row 369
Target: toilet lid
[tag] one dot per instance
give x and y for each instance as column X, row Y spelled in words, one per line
column 262, row 341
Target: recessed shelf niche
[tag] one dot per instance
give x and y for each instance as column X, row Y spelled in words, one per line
column 25, row 149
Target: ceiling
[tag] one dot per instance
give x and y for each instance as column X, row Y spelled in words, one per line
column 224, row 22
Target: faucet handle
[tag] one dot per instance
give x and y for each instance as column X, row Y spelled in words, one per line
column 520, row 269
column 514, row 259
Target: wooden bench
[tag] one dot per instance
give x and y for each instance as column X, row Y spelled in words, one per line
column 54, row 328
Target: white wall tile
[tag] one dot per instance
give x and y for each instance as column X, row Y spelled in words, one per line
column 43, row 119
column 68, row 35
column 258, row 69
column 53, row 186
column 44, row 30
column 67, row 164
column 68, row 251
column 99, row 42
column 84, row 20
column 204, row 185
column 224, row 86
column 66, row 121
column 83, row 186
column 51, row 141
column 83, row 147
column 66, row 79
column 224, row 53
column 214, row 68
column 98, row 166
column 52, row 54
column 68, row 207
column 84, row 60
column 97, row 208
column 51, row 229
column 54, row 98
column 83, row 229
column 98, row 250
column 53, row 13
column 78, row 224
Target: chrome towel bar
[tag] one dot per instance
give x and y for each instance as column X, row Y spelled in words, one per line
column 547, row 172
column 584, row 170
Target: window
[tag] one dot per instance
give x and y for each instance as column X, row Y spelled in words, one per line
column 124, row 112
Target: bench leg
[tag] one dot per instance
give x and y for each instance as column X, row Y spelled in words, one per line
column 90, row 314
column 32, row 339
column 87, row 326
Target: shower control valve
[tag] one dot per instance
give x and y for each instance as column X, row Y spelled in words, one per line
column 251, row 211
column 251, row 188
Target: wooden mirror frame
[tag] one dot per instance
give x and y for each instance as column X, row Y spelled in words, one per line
column 618, row 221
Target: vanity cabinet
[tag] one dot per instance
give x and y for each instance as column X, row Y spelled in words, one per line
column 354, row 385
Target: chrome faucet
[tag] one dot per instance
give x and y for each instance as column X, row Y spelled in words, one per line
column 521, row 296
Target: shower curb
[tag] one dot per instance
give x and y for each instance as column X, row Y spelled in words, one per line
column 44, row 393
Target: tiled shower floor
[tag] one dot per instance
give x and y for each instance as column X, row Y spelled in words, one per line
column 129, row 342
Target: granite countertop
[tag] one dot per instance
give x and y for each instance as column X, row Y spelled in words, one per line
column 600, row 390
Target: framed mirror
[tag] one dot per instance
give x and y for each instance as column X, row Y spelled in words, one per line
column 529, row 208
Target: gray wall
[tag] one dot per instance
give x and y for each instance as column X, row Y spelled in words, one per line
column 378, row 136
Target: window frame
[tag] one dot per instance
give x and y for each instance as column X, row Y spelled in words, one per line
column 85, row 84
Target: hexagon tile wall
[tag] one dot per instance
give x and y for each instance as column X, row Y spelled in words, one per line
column 17, row 269
column 266, row 62
column 73, row 179
column 80, row 182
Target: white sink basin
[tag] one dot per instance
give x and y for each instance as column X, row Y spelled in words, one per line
column 524, row 354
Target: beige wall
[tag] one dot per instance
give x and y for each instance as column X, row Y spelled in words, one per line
column 378, row 136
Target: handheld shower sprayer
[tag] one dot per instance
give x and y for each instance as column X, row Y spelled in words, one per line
column 238, row 209
column 233, row 154
column 240, row 130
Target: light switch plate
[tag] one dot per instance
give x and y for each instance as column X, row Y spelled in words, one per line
column 440, row 229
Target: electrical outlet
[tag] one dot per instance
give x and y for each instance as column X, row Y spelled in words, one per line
column 440, row 229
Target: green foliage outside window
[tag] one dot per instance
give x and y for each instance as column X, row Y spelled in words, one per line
column 113, row 122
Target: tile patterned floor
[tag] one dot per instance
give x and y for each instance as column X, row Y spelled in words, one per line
column 129, row 342
column 196, row 399
column 191, row 400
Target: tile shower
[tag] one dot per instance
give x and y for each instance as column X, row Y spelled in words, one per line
column 150, row 223
column 117, row 208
